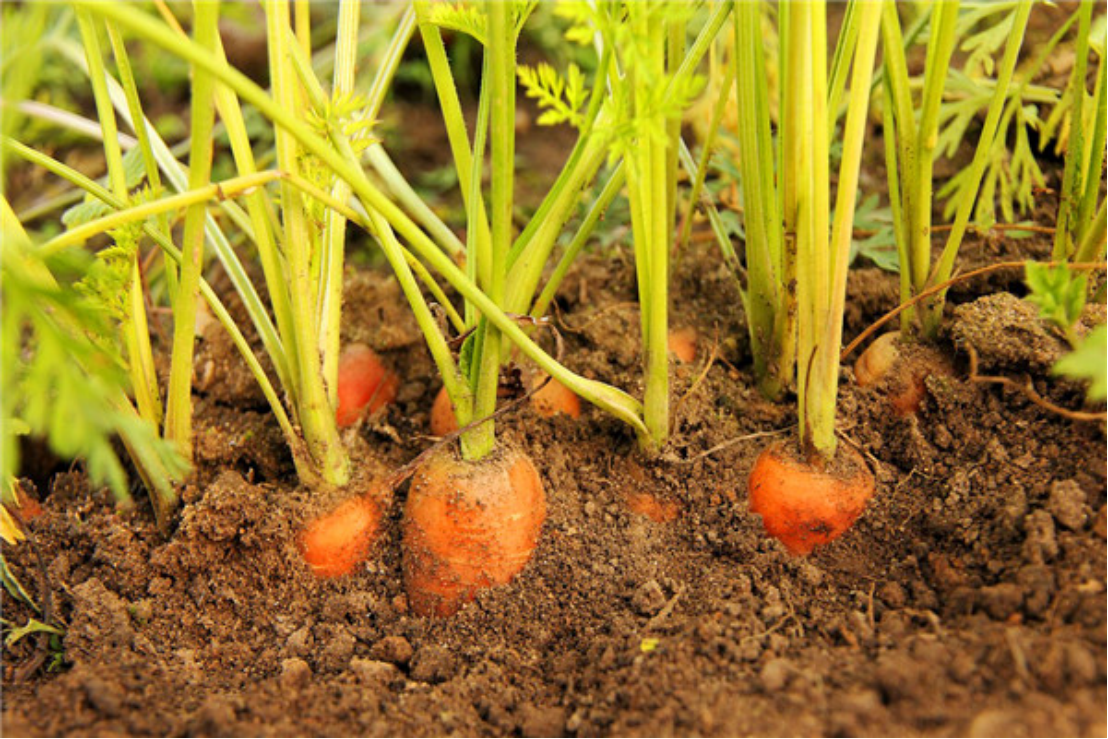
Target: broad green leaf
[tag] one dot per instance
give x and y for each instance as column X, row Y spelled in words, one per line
column 1089, row 361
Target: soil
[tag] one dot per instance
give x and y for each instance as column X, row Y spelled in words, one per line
column 969, row 599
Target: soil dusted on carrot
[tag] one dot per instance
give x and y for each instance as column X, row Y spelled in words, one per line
column 334, row 544
column 900, row 371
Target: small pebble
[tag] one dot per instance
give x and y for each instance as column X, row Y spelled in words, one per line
column 1067, row 505
column 433, row 664
column 295, row 673
column 394, row 649
column 649, row 598
column 775, row 675
column 375, row 672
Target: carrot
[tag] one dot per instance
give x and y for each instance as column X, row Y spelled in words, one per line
column 803, row 506
column 682, row 344
column 468, row 526
column 904, row 373
column 658, row 510
column 364, row 384
column 554, row 398
column 335, row 543
column 877, row 360
column 443, row 421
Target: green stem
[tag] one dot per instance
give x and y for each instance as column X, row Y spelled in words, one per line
column 142, row 211
column 178, row 416
column 314, row 410
column 614, row 401
column 932, row 312
column 1074, row 171
column 1092, row 246
column 452, row 116
column 900, row 151
column 480, row 441
column 1094, row 162
column 648, row 190
column 611, row 189
column 134, row 106
column 940, row 47
column 329, row 309
column 771, row 301
column 806, row 44
column 700, row 174
column 822, row 390
column 133, row 329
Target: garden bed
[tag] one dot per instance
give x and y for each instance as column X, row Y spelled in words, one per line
column 968, row 600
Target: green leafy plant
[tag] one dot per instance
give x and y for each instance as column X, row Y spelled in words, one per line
column 797, row 254
column 1060, row 294
column 911, row 144
column 1012, row 173
column 63, row 378
column 1087, row 362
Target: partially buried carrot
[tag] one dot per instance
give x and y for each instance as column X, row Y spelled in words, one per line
column 904, row 373
column 364, row 384
column 550, row 400
column 443, row 421
column 335, row 543
column 554, row 398
column 682, row 344
column 803, row 506
column 468, row 526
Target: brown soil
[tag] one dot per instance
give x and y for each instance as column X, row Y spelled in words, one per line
column 968, row 600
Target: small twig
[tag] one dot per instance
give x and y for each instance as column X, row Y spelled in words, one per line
column 1029, row 392
column 700, row 378
column 943, row 286
column 732, row 442
column 771, row 630
column 667, row 609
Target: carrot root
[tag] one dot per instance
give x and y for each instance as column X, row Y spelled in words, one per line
column 658, row 510
column 443, row 421
column 364, row 384
column 335, row 543
column 804, row 507
column 682, row 344
column 468, row 526
column 903, row 373
column 554, row 398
